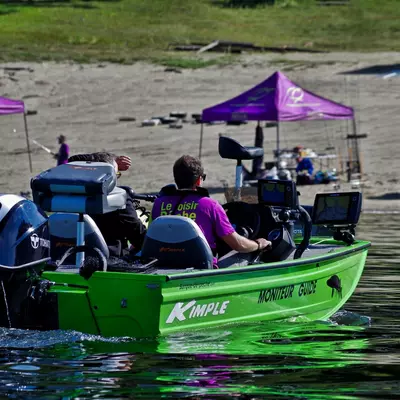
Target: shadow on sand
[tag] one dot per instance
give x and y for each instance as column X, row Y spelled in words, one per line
column 375, row 70
column 386, row 196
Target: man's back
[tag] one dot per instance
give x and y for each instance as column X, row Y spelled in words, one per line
column 206, row 212
column 120, row 226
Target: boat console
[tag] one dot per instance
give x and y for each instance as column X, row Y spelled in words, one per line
column 272, row 218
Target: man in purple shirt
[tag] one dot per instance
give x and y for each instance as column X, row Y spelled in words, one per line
column 63, row 152
column 192, row 201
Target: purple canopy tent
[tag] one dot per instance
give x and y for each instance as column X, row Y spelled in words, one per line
column 276, row 99
column 8, row 106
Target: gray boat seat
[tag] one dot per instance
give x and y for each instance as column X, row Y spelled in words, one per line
column 177, row 243
column 62, row 230
column 233, row 150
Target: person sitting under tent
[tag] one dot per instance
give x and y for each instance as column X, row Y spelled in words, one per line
column 304, row 170
column 120, row 226
column 191, row 200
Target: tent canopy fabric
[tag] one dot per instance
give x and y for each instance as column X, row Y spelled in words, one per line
column 277, row 99
column 9, row 106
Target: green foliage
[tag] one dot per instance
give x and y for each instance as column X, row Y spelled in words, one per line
column 248, row 3
column 129, row 30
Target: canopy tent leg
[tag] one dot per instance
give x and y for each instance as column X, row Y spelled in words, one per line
column 259, row 142
column 278, row 152
column 27, row 142
column 238, row 181
column 355, row 141
column 201, row 140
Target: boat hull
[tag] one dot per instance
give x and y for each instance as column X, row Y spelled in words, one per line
column 144, row 305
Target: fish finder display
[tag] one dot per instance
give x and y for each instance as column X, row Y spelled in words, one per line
column 337, row 208
column 277, row 193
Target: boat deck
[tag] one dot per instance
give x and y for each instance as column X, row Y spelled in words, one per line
column 314, row 250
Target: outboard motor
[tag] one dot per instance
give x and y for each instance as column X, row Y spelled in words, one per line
column 24, row 236
column 24, row 248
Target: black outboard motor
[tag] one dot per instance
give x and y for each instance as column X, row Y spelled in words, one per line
column 24, row 236
column 24, row 246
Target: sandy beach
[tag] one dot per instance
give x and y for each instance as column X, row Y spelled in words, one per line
column 85, row 102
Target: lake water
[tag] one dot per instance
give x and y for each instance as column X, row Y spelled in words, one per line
column 355, row 356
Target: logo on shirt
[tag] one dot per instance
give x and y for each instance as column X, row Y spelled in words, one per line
column 183, row 209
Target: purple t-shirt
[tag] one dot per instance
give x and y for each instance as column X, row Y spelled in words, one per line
column 63, row 154
column 206, row 212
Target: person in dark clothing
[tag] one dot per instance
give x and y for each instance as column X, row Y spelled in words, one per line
column 120, row 226
column 304, row 164
column 63, row 152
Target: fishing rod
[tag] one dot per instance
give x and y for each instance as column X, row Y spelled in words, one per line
column 46, row 149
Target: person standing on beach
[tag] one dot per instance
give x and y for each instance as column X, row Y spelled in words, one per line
column 63, row 152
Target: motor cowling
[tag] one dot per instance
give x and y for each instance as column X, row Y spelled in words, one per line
column 24, row 234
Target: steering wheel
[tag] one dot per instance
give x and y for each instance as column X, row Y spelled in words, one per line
column 244, row 217
column 246, row 220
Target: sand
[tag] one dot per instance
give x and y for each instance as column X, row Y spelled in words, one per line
column 85, row 102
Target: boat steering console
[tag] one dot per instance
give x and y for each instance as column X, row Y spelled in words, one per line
column 272, row 218
column 274, row 215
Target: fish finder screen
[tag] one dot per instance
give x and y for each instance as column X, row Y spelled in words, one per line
column 337, row 208
column 277, row 193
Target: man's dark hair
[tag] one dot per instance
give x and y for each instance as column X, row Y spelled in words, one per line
column 187, row 170
column 101, row 156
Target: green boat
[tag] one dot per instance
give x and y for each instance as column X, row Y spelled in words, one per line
column 312, row 270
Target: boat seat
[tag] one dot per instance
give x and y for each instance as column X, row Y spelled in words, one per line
column 178, row 243
column 233, row 150
column 62, row 230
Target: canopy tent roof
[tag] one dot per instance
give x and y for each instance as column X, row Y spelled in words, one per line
column 8, row 106
column 277, row 99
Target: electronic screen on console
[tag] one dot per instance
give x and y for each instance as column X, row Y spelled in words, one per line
column 337, row 208
column 278, row 193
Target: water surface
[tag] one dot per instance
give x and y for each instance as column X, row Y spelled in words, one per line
column 356, row 355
